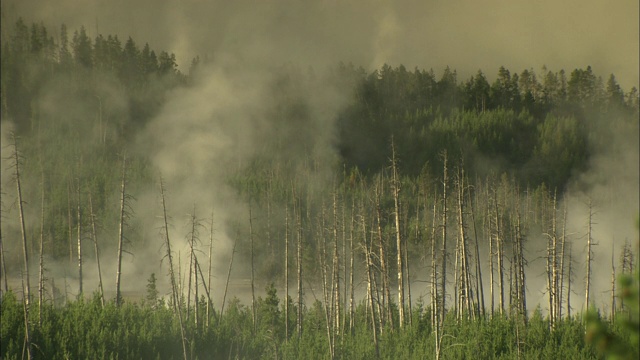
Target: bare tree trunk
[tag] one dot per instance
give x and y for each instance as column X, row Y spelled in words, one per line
column 95, row 244
column 352, row 312
column 174, row 289
column 121, row 229
column 336, row 272
column 27, row 327
column 435, row 308
column 465, row 286
column 299, row 263
column 499, row 245
column 226, row 287
column 79, row 213
column 192, row 272
column 69, row 221
column 479, row 286
column 407, row 270
column 443, row 272
column 522, row 293
column 286, row 274
column 589, row 243
column 569, row 285
column 253, row 292
column 491, row 250
column 395, row 188
column 386, row 293
column 41, row 279
column 613, row 289
column 204, row 284
column 562, row 255
column 554, row 259
column 209, row 304
column 322, row 261
column 368, row 251
column 3, row 268
column 25, row 251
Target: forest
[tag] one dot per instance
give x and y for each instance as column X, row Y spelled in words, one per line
column 301, row 213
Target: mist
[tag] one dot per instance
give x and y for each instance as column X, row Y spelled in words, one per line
column 464, row 35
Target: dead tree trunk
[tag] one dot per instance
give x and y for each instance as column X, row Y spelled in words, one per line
column 121, row 229
column 479, row 286
column 569, row 284
column 386, row 293
column 41, row 278
column 70, row 222
column 25, row 251
column 613, row 289
column 589, row 244
column 490, row 235
column 193, row 235
column 562, row 256
column 208, row 282
column 443, row 272
column 326, row 292
column 435, row 308
column 95, row 244
column 299, row 263
column 253, row 291
column 226, row 287
column 336, row 272
column 499, row 244
column 351, row 268
column 395, row 188
column 522, row 288
column 174, row 288
column 23, row 228
column 3, row 268
column 466, row 305
column 286, row 274
column 368, row 252
column 79, row 217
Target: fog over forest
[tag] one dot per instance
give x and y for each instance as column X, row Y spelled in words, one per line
column 286, row 119
column 465, row 35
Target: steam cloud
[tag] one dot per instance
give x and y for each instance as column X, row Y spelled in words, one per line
column 220, row 122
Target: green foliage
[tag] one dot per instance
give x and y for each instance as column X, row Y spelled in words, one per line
column 620, row 340
column 84, row 329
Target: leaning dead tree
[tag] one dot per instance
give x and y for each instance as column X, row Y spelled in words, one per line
column 174, row 288
column 192, row 239
column 226, row 287
column 25, row 252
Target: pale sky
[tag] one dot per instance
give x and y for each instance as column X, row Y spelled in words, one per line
column 466, row 35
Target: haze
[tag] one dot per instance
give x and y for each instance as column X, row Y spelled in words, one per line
column 466, row 35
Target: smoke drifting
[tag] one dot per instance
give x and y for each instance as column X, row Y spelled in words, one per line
column 466, row 35
column 223, row 121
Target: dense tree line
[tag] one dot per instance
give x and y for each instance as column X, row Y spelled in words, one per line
column 435, row 179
